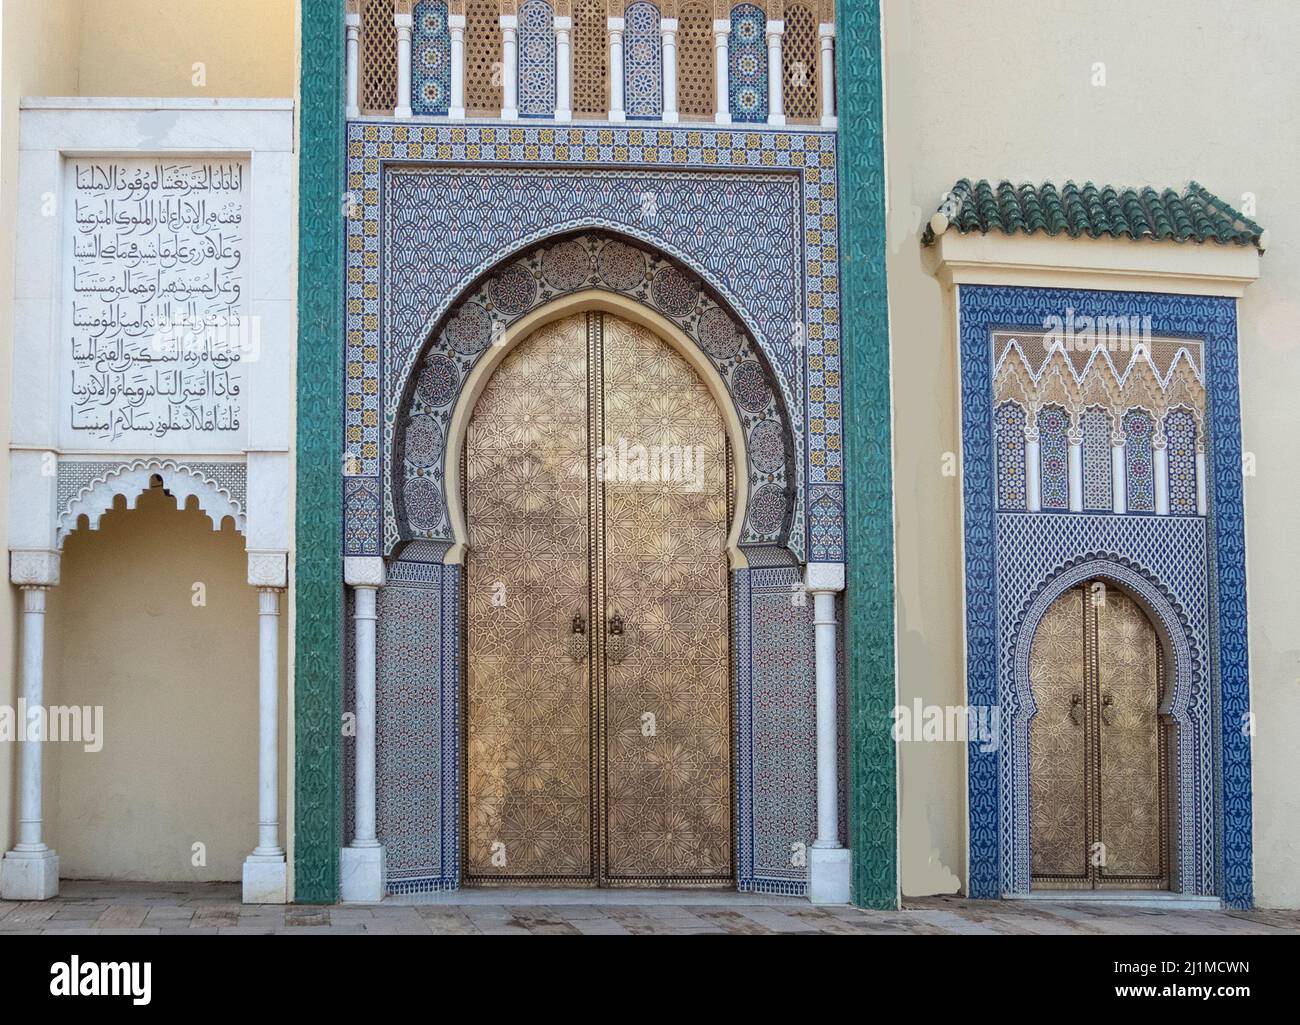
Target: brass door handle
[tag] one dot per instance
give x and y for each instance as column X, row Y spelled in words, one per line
column 578, row 638
column 1107, row 703
column 616, row 639
column 1075, row 701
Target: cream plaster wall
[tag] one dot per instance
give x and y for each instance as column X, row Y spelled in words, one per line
column 1001, row 89
column 37, row 55
column 178, row 687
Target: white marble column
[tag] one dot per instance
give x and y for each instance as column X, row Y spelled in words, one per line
column 266, row 875
column 775, row 74
column 828, row 862
column 1118, row 474
column 563, row 70
column 826, row 33
column 1033, row 472
column 509, row 67
column 722, row 70
column 1160, row 470
column 31, row 870
column 456, row 28
column 352, row 21
column 404, row 22
column 668, row 34
column 364, row 862
column 1201, row 504
column 617, row 112
column 1076, row 470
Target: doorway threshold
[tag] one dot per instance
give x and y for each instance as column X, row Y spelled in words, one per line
column 512, row 897
column 1162, row 900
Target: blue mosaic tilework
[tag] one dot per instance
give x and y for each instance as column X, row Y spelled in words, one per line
column 1139, row 475
column 1010, row 428
column 536, row 60
column 1159, row 555
column 1098, row 485
column 1054, row 457
column 712, row 191
column 747, row 64
column 643, row 63
column 430, row 59
column 776, row 725
column 1180, row 435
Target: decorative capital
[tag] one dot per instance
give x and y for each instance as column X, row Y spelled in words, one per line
column 34, row 568
column 775, row 29
column 824, row 576
column 363, row 571
column 268, row 569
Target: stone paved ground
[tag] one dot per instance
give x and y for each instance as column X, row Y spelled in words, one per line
column 115, row 908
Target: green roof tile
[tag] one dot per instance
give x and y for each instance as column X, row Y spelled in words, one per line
column 1097, row 212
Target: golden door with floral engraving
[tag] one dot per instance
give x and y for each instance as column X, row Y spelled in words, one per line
column 598, row 683
column 1098, row 746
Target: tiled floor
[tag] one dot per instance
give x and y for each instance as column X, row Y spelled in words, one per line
column 91, row 907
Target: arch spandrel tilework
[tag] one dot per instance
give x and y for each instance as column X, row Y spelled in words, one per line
column 431, row 59
column 776, row 188
column 747, row 56
column 1198, row 563
column 530, row 283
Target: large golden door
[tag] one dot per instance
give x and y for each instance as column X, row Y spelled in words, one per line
column 598, row 683
column 1098, row 747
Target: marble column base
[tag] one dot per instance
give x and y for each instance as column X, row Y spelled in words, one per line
column 28, row 875
column 364, row 874
column 266, row 880
column 828, row 875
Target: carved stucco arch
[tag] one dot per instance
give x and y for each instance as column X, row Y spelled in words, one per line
column 563, row 276
column 1183, row 654
column 130, row 480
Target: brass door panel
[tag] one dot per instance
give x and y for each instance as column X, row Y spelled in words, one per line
column 1099, row 804
column 598, row 682
column 666, row 694
column 528, row 700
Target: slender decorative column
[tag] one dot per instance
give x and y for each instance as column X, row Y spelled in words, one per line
column 31, row 870
column 456, row 28
column 1201, row 504
column 668, row 34
column 722, row 70
column 352, row 22
column 1118, row 473
column 364, row 862
column 616, row 108
column 775, row 74
column 1076, row 469
column 509, row 67
column 1160, row 470
column 1033, row 472
column 266, row 875
column 404, row 22
column 563, row 70
column 826, row 33
column 828, row 862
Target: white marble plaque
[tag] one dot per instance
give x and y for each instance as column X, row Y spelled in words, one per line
column 156, row 337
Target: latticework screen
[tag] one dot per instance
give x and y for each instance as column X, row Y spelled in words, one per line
column 590, row 59
column 483, row 57
column 378, row 72
column 801, row 78
column 695, row 73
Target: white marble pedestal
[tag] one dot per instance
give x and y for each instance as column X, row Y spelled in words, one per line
column 29, row 875
column 828, row 875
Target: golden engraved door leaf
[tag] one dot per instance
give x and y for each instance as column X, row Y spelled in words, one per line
column 598, row 681
column 1099, row 814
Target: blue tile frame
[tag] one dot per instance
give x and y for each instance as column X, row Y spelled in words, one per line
column 1214, row 320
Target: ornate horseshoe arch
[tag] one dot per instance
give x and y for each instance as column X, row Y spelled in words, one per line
column 565, row 276
column 1194, row 811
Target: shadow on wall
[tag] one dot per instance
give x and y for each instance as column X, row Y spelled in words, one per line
column 154, row 622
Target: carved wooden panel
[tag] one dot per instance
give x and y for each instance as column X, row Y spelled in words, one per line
column 696, row 82
column 590, row 60
column 801, row 75
column 483, row 57
column 378, row 44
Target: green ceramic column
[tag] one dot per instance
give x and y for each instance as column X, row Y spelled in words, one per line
column 869, row 598
column 318, row 568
